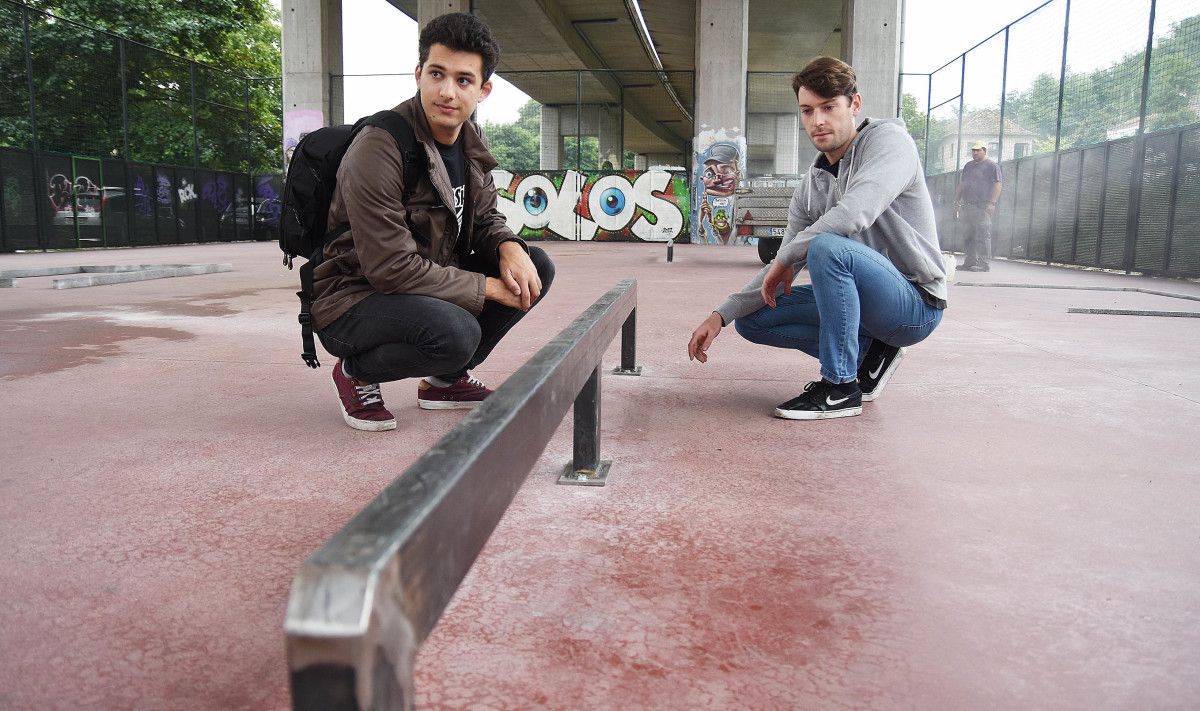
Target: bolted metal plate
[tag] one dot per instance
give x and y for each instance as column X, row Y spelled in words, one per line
column 586, row 477
column 635, row 370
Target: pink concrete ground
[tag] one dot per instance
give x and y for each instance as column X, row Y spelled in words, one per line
column 1012, row 525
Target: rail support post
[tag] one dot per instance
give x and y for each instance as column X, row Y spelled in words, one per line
column 586, row 467
column 629, row 347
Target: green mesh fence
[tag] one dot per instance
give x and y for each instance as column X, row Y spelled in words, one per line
column 1092, row 110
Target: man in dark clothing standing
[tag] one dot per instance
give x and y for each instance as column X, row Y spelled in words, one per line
column 975, row 199
column 424, row 284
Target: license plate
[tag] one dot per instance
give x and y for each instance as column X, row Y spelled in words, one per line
column 775, row 231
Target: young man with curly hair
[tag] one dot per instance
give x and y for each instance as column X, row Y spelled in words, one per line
column 423, row 285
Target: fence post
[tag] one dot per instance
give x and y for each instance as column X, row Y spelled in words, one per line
column 928, row 113
column 195, row 130
column 1003, row 101
column 124, row 100
column 1137, row 169
column 1175, row 171
column 35, row 144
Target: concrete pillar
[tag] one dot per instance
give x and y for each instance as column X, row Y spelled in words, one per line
column 871, row 44
column 640, row 162
column 550, row 151
column 429, row 9
column 611, row 149
column 311, row 36
column 722, row 28
column 787, row 147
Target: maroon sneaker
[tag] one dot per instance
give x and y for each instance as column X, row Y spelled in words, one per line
column 462, row 394
column 362, row 405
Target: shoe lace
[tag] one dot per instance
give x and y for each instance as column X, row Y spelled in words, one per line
column 472, row 380
column 368, row 394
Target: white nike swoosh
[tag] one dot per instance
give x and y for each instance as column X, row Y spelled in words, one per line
column 831, row 402
column 875, row 373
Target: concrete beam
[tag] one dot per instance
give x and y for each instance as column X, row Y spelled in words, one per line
column 871, row 44
column 558, row 18
column 312, row 52
column 429, row 9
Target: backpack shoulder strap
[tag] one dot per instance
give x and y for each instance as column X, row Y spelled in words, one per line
column 412, row 153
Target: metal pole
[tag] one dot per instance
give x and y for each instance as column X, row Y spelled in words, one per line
column 958, row 159
column 1137, row 169
column 1079, row 199
column 629, row 346
column 578, row 121
column 1003, row 100
column 1103, row 201
column 586, row 468
column 1174, row 200
column 928, row 111
column 124, row 102
column 35, row 144
column 195, row 130
column 1062, row 78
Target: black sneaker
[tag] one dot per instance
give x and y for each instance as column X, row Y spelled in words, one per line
column 877, row 368
column 823, row 400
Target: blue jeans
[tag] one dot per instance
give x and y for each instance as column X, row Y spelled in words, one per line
column 856, row 296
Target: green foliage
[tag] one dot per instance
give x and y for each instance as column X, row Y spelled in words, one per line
column 581, row 155
column 516, row 145
column 1110, row 97
column 1094, row 104
column 77, row 80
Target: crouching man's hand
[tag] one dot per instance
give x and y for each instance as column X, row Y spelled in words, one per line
column 778, row 275
column 703, row 337
column 519, row 276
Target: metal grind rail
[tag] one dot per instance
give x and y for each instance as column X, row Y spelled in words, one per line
column 362, row 605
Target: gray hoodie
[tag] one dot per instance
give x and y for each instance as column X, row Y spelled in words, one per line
column 878, row 198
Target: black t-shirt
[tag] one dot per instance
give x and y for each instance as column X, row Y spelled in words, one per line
column 456, row 167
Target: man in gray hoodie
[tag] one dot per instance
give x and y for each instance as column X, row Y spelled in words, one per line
column 862, row 222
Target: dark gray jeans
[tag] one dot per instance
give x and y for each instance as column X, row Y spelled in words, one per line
column 977, row 235
column 388, row 337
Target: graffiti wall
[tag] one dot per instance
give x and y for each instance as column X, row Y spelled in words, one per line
column 720, row 161
column 628, row 206
column 55, row 201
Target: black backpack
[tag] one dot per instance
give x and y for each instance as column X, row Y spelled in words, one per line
column 308, row 191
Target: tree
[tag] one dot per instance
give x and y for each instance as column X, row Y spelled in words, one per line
column 516, row 145
column 78, row 73
column 914, row 121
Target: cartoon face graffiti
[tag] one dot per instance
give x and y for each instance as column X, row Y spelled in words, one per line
column 721, row 222
column 721, row 171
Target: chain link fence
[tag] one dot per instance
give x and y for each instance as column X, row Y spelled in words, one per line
column 107, row 142
column 1093, row 112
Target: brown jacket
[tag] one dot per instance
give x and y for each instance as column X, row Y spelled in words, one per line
column 398, row 248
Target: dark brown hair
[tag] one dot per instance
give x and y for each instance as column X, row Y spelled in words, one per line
column 460, row 32
column 828, row 78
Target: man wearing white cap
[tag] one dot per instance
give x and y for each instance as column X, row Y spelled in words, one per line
column 975, row 197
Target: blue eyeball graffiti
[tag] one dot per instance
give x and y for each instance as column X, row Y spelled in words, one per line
column 536, row 201
column 612, row 201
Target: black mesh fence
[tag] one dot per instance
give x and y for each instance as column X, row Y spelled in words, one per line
column 1095, row 131
column 106, row 142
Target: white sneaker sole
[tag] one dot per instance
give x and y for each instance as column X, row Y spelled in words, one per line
column 883, row 379
column 364, row 425
column 447, row 404
column 813, row 415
